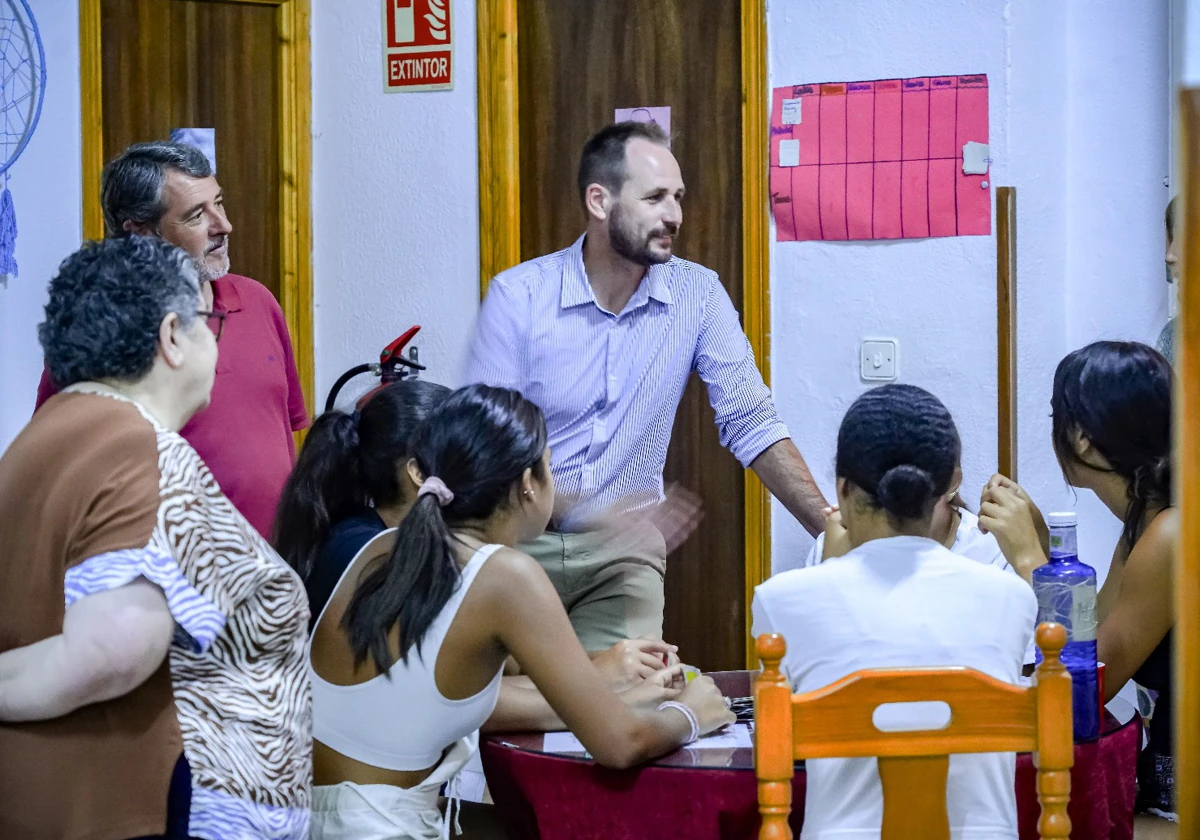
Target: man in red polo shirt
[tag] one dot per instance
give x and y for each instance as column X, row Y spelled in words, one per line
column 245, row 435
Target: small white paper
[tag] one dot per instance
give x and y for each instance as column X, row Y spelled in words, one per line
column 791, row 111
column 975, row 158
column 562, row 742
column 789, row 152
column 656, row 115
column 204, row 139
column 731, row 738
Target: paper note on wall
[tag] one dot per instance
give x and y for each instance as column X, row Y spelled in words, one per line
column 204, row 139
column 789, row 152
column 660, row 116
column 880, row 159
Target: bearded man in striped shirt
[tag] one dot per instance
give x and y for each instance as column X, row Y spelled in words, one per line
column 603, row 336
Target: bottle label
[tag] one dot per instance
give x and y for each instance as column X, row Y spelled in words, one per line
column 1083, row 614
column 1072, row 606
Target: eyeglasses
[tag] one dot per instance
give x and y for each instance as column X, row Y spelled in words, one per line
column 219, row 317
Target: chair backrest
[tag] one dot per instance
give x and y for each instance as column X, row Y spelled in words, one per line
column 987, row 715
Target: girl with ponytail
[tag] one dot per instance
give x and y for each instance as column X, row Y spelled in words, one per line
column 900, row 598
column 1111, row 432
column 349, row 484
column 409, row 655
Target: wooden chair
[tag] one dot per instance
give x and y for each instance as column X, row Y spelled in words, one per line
column 987, row 715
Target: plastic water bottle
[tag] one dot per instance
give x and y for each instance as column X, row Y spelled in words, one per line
column 1066, row 593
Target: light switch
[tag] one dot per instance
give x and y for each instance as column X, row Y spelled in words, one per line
column 879, row 359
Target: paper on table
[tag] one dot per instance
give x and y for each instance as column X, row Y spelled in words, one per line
column 562, row 742
column 731, row 738
column 879, row 159
column 736, row 736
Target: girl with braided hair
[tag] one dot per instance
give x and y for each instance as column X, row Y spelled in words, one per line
column 899, row 598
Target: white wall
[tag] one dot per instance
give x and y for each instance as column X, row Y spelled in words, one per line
column 1078, row 124
column 45, row 185
column 1190, row 22
column 395, row 206
column 1118, row 133
column 395, row 199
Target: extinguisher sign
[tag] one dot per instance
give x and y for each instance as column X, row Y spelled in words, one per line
column 418, row 48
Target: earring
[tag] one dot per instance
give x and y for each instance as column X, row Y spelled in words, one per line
column 528, row 494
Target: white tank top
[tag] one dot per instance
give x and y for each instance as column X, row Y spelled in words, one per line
column 403, row 723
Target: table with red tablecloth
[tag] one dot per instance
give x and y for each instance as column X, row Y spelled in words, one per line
column 712, row 794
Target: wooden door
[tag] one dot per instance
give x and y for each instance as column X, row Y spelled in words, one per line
column 578, row 60
column 182, row 64
column 239, row 67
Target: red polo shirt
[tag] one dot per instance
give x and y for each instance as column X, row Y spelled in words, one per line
column 245, row 434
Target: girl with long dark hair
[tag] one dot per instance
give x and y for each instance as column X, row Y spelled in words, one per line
column 349, row 484
column 1112, row 435
column 409, row 654
column 898, row 598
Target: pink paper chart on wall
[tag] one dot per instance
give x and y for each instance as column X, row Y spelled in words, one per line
column 881, row 159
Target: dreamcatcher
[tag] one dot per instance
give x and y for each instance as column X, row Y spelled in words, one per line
column 22, row 87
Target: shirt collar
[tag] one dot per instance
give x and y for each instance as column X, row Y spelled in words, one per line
column 576, row 290
column 888, row 546
column 225, row 295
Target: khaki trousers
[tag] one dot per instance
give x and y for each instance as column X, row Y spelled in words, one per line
column 610, row 583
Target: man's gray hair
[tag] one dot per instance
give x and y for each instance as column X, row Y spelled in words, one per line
column 132, row 184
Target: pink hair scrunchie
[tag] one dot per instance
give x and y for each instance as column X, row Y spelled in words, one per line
column 434, row 486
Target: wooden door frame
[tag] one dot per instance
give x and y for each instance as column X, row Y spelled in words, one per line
column 500, row 211
column 292, row 23
column 1187, row 474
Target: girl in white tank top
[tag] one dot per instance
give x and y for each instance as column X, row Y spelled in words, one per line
column 409, row 654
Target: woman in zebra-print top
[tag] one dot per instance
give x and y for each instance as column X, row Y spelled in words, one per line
column 152, row 646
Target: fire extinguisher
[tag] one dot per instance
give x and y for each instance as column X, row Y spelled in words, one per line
column 392, row 366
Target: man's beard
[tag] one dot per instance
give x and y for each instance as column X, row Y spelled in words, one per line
column 624, row 240
column 209, row 272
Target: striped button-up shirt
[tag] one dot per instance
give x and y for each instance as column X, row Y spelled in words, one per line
column 610, row 384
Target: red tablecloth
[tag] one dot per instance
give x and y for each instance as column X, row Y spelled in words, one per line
column 551, row 797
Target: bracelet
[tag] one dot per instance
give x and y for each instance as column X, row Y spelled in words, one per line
column 693, row 724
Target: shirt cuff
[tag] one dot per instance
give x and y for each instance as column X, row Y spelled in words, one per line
column 198, row 620
column 749, row 446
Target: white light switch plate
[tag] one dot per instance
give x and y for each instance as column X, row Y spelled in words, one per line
column 879, row 359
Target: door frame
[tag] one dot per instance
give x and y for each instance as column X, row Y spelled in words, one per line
column 294, row 103
column 1187, row 470
column 500, row 212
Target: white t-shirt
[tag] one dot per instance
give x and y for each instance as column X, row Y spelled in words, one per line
column 969, row 542
column 896, row 603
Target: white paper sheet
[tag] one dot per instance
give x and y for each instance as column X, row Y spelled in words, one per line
column 735, row 736
column 789, row 152
column 791, row 111
column 730, row 738
column 562, row 742
column 975, row 158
